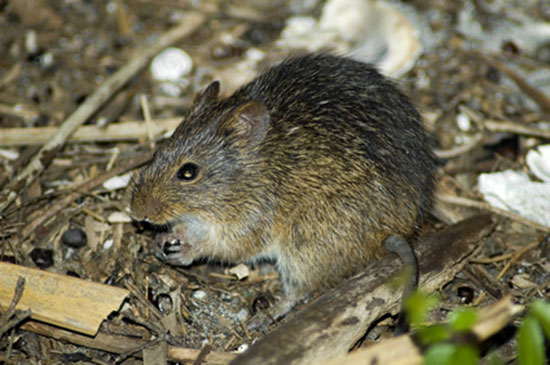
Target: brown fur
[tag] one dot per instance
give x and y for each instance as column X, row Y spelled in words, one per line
column 313, row 164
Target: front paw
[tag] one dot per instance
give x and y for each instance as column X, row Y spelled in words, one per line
column 171, row 249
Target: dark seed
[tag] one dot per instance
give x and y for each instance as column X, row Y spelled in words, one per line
column 74, row 237
column 259, row 304
column 43, row 258
column 164, row 303
column 466, row 294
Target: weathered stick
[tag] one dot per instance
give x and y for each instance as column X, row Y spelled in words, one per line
column 123, row 131
column 65, row 301
column 403, row 350
column 11, row 316
column 329, row 326
column 140, row 59
column 119, row 344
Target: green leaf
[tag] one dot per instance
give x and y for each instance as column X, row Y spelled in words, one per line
column 440, row 354
column 530, row 342
column 418, row 305
column 465, row 355
column 541, row 311
column 448, row 354
column 462, row 319
column 432, row 334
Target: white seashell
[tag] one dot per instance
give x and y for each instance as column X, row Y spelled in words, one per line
column 369, row 31
column 171, row 65
column 538, row 161
column 345, row 17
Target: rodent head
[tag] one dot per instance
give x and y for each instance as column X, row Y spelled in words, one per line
column 202, row 168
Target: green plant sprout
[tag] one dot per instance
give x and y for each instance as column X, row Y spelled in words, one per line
column 449, row 343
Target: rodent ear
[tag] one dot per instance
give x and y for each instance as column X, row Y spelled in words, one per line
column 249, row 122
column 209, row 94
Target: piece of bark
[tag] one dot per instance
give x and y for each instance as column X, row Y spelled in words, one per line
column 329, row 326
column 403, row 350
column 156, row 355
column 65, row 301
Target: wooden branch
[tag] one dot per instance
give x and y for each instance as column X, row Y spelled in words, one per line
column 515, row 128
column 471, row 203
column 124, row 131
column 139, row 60
column 329, row 326
column 403, row 350
column 118, row 344
column 65, row 301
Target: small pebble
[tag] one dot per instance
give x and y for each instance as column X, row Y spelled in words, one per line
column 240, row 271
column 108, row 244
column 164, row 303
column 119, row 217
column 199, row 294
column 117, row 182
column 42, row 257
column 260, row 303
column 10, row 155
column 537, row 161
column 466, row 294
column 242, row 348
column 242, row 315
column 463, row 122
column 74, row 237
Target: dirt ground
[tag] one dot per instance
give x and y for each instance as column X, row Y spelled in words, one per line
column 484, row 95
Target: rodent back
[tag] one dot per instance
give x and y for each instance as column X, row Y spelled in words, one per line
column 334, row 114
column 316, row 123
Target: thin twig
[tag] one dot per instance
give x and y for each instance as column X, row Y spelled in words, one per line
column 484, row 206
column 121, row 131
column 149, row 126
column 460, row 150
column 509, row 264
column 12, row 316
column 515, row 128
column 206, row 349
column 19, row 287
column 139, row 296
column 138, row 348
column 138, row 61
column 84, row 187
column 536, row 95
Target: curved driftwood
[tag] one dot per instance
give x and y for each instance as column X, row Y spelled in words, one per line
column 330, row 325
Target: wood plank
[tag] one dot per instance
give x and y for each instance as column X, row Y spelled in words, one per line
column 64, row 301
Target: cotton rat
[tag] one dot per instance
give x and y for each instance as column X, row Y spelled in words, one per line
column 312, row 165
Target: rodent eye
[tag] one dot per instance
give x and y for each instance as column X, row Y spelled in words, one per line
column 188, row 171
